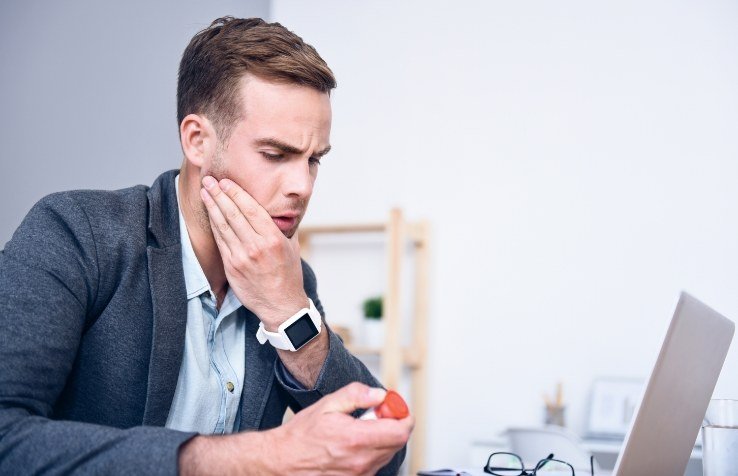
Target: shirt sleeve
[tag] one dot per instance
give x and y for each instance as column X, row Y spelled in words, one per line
column 287, row 379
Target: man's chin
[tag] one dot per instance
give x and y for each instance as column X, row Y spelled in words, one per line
column 291, row 232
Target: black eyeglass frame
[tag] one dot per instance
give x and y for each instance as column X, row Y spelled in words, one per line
column 526, row 472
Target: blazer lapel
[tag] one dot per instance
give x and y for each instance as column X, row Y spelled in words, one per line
column 168, row 297
column 170, row 321
column 258, row 378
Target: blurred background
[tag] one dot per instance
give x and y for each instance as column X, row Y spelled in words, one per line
column 577, row 163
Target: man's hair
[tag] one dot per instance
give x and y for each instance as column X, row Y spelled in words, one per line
column 218, row 57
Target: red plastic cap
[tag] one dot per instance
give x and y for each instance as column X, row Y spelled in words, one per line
column 393, row 406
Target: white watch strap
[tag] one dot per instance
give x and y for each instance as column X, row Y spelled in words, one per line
column 279, row 339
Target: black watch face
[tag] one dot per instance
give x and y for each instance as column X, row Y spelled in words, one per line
column 301, row 331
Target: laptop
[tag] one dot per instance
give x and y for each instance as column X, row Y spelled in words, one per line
column 670, row 412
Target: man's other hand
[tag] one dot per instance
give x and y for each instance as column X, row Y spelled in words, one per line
column 324, row 438
column 321, row 439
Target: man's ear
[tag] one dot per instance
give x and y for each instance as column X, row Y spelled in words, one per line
column 199, row 140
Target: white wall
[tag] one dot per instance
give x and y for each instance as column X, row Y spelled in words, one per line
column 566, row 153
column 577, row 161
column 88, row 93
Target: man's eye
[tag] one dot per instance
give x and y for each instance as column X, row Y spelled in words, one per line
column 314, row 160
column 270, row 156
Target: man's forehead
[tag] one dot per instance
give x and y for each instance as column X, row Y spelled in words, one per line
column 264, row 97
column 256, row 87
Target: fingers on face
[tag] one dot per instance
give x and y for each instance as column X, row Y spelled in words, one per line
column 227, row 216
column 218, row 222
column 257, row 216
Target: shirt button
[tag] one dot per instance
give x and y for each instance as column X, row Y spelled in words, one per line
column 229, row 386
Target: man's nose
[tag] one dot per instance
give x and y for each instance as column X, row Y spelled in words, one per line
column 298, row 181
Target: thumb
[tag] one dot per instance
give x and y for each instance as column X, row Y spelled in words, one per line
column 353, row 396
column 295, row 242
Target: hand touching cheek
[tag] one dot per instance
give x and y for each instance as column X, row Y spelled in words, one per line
column 261, row 264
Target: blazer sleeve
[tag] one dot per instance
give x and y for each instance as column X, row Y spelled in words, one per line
column 339, row 369
column 48, row 281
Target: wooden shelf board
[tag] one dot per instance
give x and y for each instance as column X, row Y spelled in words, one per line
column 408, row 355
column 338, row 229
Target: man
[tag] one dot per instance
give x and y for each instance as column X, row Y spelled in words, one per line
column 147, row 330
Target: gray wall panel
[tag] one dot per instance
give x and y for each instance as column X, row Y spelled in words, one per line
column 87, row 93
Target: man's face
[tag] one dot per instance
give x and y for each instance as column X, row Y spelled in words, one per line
column 274, row 151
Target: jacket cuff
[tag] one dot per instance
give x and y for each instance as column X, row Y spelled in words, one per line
column 339, row 369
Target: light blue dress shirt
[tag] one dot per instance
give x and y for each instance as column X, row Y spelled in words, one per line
column 210, row 380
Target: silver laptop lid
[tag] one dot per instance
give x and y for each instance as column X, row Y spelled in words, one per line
column 670, row 413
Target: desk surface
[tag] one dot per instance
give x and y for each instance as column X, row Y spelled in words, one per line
column 604, row 451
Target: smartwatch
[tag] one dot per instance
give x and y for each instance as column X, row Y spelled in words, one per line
column 295, row 332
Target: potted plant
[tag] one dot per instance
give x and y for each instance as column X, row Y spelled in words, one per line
column 373, row 325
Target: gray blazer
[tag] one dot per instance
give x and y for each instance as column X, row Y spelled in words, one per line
column 92, row 325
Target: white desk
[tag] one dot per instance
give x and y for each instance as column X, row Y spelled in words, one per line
column 604, row 451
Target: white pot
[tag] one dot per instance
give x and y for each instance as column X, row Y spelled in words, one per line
column 373, row 333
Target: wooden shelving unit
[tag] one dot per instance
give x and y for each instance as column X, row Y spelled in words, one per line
column 394, row 357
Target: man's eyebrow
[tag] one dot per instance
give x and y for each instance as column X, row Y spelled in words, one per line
column 287, row 148
column 322, row 152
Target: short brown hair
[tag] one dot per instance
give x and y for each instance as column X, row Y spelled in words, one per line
column 218, row 57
